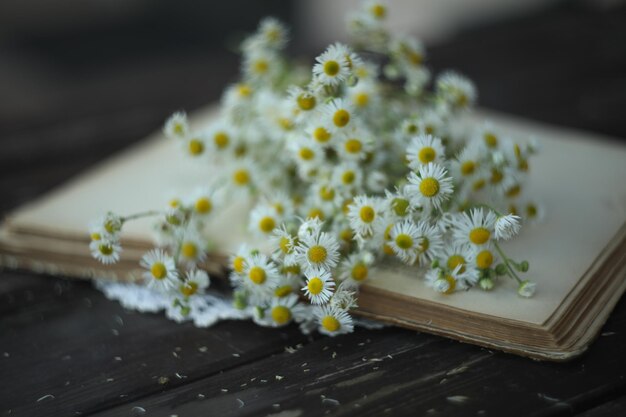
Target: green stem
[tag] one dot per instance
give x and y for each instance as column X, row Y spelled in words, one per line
column 141, row 214
column 507, row 262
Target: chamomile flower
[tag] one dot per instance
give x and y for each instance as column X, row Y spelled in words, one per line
column 192, row 248
column 318, row 250
column 344, row 297
column 272, row 34
column 347, row 176
column 302, row 100
column 319, row 285
column 220, row 138
column 376, row 9
column 109, row 226
column 405, row 241
column 442, row 281
column 467, row 164
column 284, row 242
column 196, row 282
column 307, row 153
column 319, row 134
column 399, row 203
column 203, row 201
column 432, row 187
column 431, row 242
column 333, row 321
column 423, row 150
column 461, row 257
column 260, row 275
column 243, row 175
column 237, row 264
column 355, row 269
column 364, row 95
column 284, row 310
column 332, row 67
column 105, row 250
column 264, row 219
column 485, row 258
column 507, row 226
column 161, row 273
column 364, row 214
column 408, row 50
column 194, row 145
column 312, row 226
column 355, row 144
column 475, row 228
column 456, row 90
column 176, row 126
column 337, row 115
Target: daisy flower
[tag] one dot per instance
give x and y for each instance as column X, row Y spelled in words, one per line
column 355, row 144
column 105, row 250
column 318, row 250
column 376, row 9
column 319, row 285
column 337, row 115
column 192, row 248
column 319, row 134
column 264, row 219
column 220, row 137
column 259, row 275
column 364, row 95
column 283, row 311
column 462, row 257
column 272, row 34
column 194, row 146
column 196, row 281
column 423, row 150
column 475, row 228
column 312, row 226
column 243, row 175
column 443, row 282
column 364, row 214
column 405, row 240
column 467, row 163
column 110, row 225
column 507, row 226
column 431, row 242
column 408, row 50
column 176, row 126
column 332, row 67
column 238, row 263
column 347, row 176
column 355, row 269
column 431, row 187
column 284, row 243
column 399, row 202
column 344, row 298
column 203, row 200
column 333, row 321
column 484, row 259
column 161, row 273
column 301, row 99
column 456, row 89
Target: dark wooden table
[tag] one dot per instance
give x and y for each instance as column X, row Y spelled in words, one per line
column 66, row 350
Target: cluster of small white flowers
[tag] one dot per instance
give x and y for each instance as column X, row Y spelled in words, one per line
column 349, row 165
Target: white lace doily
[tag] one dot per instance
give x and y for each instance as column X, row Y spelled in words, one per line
column 206, row 309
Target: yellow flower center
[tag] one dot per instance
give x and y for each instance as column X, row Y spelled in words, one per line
column 531, row 210
column 468, row 168
column 203, row 205
column 429, row 187
column 411, row 128
column 238, row 264
column 267, row 224
column 414, row 57
column 315, row 285
column 189, row 288
column 400, row 206
column 285, row 244
column 316, row 212
column 317, row 254
column 341, row 118
column 426, row 155
column 346, row 235
column 424, row 244
column 292, row 269
column 196, row 147
column 95, row 236
column 367, row 214
column 158, row 270
column 105, row 249
column 241, row 177
column 456, row 260
column 484, row 259
column 379, row 11
column 451, row 284
column 285, row 123
column 179, row 129
column 174, row 203
column 496, row 176
column 388, row 250
column 331, row 324
column 359, row 272
column 331, row 68
column 244, row 90
column 321, row 135
column 307, row 154
column 221, row 140
column 283, row 291
column 361, row 99
column 479, row 235
column 189, row 250
column 404, row 241
column 491, row 140
column 260, row 66
column 479, row 184
column 514, row 191
column 387, row 234
column 306, row 102
column 257, row 275
column 327, row 193
column 353, row 146
column 348, row 177
column 281, row 315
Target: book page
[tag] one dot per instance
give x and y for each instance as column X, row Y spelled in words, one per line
column 579, row 178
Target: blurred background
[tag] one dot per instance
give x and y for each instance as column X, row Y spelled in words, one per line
column 80, row 79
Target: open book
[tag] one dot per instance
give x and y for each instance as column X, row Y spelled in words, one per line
column 578, row 255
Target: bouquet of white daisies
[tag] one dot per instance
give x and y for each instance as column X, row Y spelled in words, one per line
column 365, row 157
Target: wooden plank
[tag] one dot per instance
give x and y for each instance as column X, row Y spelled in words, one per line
column 396, row 372
column 72, row 352
column 613, row 408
